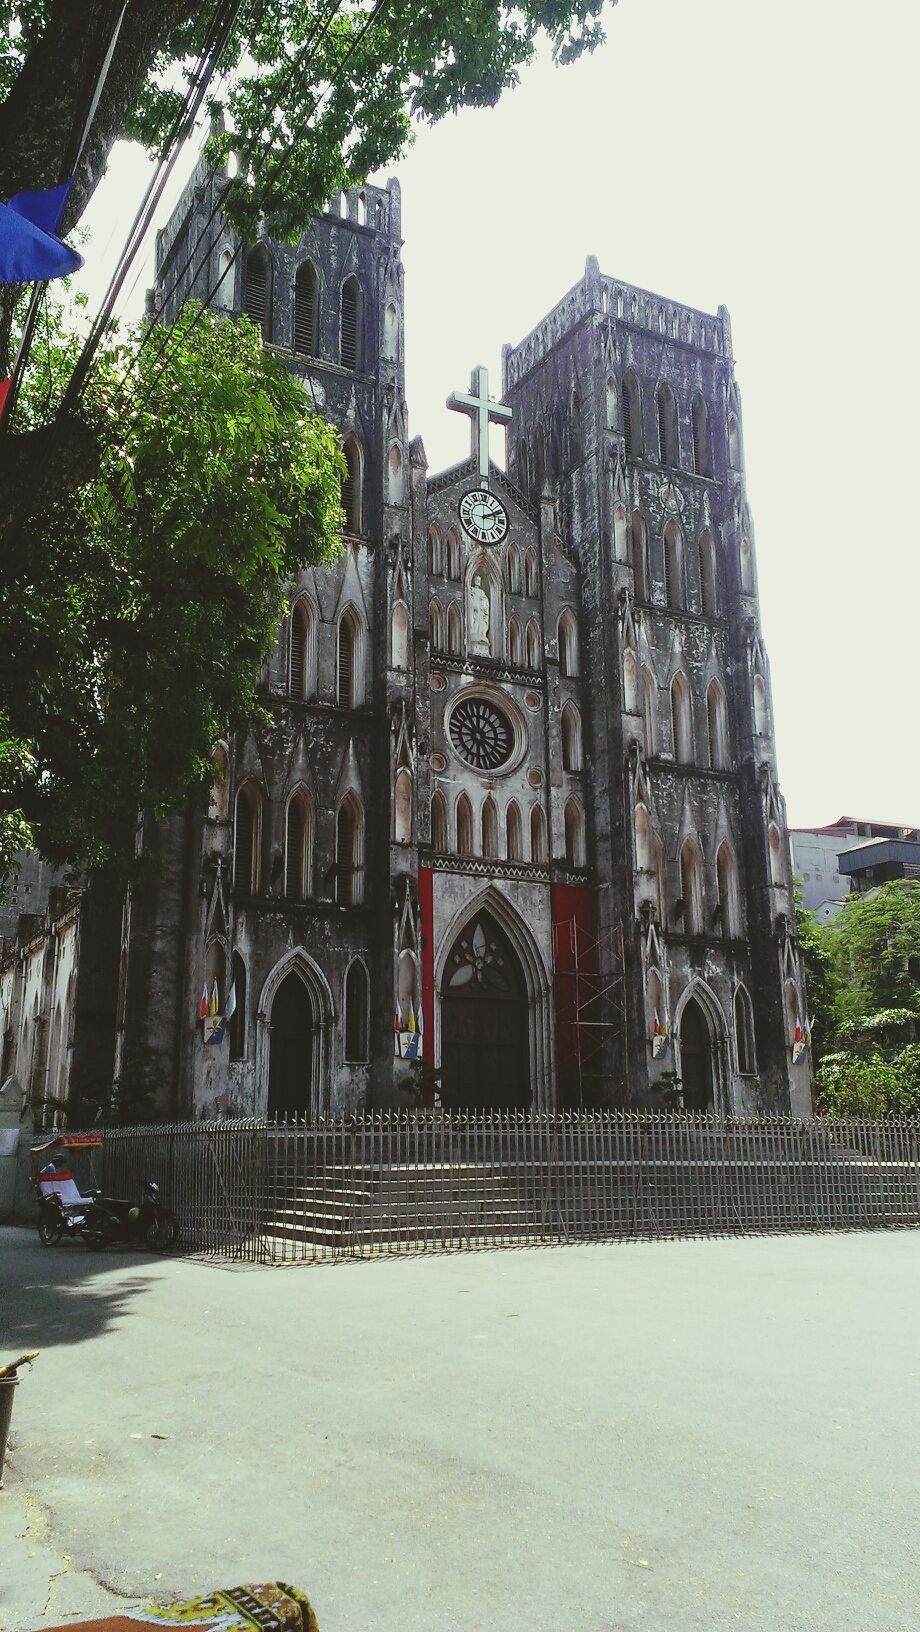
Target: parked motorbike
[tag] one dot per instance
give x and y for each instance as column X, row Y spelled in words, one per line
column 109, row 1220
column 57, row 1218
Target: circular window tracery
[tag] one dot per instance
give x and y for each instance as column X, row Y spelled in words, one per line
column 481, row 733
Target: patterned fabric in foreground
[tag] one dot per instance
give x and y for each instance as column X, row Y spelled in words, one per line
column 270, row 1607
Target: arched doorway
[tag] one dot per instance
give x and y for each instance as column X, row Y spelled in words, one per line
column 696, row 1058
column 485, row 1022
column 290, row 1069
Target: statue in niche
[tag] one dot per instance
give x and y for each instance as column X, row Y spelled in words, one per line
column 479, row 617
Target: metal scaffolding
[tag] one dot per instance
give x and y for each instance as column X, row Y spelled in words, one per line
column 591, row 1035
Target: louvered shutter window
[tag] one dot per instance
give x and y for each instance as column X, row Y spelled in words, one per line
column 258, row 289
column 346, row 664
column 294, row 850
column 244, row 840
column 298, row 666
column 630, row 427
column 305, row 310
column 351, row 324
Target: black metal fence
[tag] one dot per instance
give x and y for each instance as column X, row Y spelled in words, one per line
column 392, row 1183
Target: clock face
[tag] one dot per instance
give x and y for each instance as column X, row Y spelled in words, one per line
column 483, row 516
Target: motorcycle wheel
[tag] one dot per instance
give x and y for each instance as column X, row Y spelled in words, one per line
column 162, row 1231
column 49, row 1231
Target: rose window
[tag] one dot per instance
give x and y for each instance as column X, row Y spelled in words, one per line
column 480, row 733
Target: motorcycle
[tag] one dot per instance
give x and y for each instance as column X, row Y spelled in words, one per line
column 62, row 1206
column 109, row 1219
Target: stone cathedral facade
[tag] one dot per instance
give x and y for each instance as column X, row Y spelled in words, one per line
column 516, row 812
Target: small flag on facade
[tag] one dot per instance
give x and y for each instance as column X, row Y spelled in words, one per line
column 798, row 1043
column 203, row 1007
column 214, row 1028
column 230, row 1008
column 660, row 1037
column 215, row 998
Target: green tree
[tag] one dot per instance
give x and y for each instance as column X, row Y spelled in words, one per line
column 135, row 616
column 314, row 97
column 821, row 976
column 876, row 944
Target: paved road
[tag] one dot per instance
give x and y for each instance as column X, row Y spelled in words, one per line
column 673, row 1436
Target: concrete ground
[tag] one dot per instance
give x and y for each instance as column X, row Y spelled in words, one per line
column 681, row 1435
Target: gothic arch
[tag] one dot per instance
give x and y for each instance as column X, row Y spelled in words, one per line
column 666, row 404
column 353, row 483
column 299, row 828
column 306, row 310
column 299, row 963
column 642, row 577
column 674, row 588
column 485, row 568
column 351, row 324
column 536, row 979
column 257, row 289
column 302, row 649
column 705, row 998
column 350, row 658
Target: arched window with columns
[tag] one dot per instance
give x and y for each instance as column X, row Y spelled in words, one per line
column 350, row 660
column 530, row 573
column 729, row 895
column 515, row 643
column 745, row 1053
column 302, row 649
column 514, row 838
column 489, row 827
column 674, row 567
column 568, row 644
column 571, row 738
column 575, row 850
column 298, row 846
column 702, row 445
column 691, row 887
column 650, row 712
column 349, row 852
column 356, row 1012
column 257, row 289
column 351, row 325
column 454, row 570
column 632, row 416
column 640, row 557
column 717, row 727
column 435, row 551
column 681, row 720
column 436, row 626
column 454, row 628
column 709, row 594
column 534, row 644
column 538, row 850
column 464, row 826
column 438, row 823
column 353, row 484
column 667, row 425
column 247, row 839
column 306, row 310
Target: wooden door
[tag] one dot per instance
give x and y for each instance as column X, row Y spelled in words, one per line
column 485, row 1023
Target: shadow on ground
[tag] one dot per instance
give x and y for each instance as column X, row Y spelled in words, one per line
column 64, row 1294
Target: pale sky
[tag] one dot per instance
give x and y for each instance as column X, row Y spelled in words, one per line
column 757, row 155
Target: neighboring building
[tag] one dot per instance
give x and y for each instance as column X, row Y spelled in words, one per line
column 38, row 980
column 816, row 853
column 28, row 891
column 517, row 809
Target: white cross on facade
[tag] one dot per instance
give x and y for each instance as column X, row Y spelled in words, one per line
column 481, row 410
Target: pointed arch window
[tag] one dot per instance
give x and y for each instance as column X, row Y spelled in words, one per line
column 630, row 682
column 744, row 1033
column 356, row 1015
column 515, row 643
column 667, row 425
column 257, row 299
column 353, row 485
column 612, row 404
column 247, row 833
column 224, row 287
column 620, row 535
column 391, row 332
column 571, row 738
column 691, row 887
column 632, row 416
column 438, row 823
column 349, row 679
column 349, row 852
column 734, row 442
column 574, row 833
column 537, row 834
column 453, row 555
column 702, row 444
column 709, row 599
column 568, row 644
column 717, row 724
column 298, row 847
column 727, row 882
column 673, row 566
column 238, row 1017
column 643, row 828
column 402, row 808
column 435, row 626
column 534, row 652
column 681, row 720
column 352, row 324
column 399, row 636
column 761, row 713
column 775, row 846
column 435, row 551
column 306, row 310
column 464, row 826
column 530, row 573
column 454, row 628
column 302, row 650
column 650, row 712
column 514, row 837
column 514, row 569
column 489, row 828
column 640, row 557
